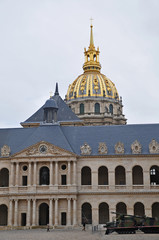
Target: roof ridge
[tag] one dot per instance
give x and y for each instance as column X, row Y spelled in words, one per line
column 67, row 140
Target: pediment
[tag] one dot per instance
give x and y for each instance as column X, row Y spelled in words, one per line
column 43, row 149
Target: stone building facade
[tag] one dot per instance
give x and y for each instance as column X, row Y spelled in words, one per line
column 57, row 170
column 67, row 183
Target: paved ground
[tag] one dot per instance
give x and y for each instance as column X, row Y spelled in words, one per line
column 41, row 234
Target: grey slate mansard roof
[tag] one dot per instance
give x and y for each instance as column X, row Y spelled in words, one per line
column 64, row 113
column 71, row 138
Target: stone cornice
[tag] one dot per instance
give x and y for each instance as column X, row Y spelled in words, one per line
column 120, row 156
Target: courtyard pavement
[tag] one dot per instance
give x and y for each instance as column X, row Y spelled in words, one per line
column 42, row 234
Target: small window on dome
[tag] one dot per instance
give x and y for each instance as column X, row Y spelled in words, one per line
column 94, row 57
column 81, row 108
column 111, row 108
column 88, row 58
column 97, row 108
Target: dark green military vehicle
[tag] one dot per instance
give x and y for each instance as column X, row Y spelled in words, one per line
column 128, row 224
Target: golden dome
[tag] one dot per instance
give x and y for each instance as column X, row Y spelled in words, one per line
column 92, row 83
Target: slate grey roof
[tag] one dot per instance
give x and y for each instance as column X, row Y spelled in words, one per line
column 50, row 103
column 21, row 138
column 126, row 134
column 72, row 137
column 64, row 113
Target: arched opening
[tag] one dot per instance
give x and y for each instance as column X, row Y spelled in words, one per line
column 97, row 108
column 44, row 176
column 88, row 58
column 86, row 176
column 103, row 176
column 155, row 209
column 81, row 108
column 3, row 215
column 94, row 57
column 137, row 175
column 103, row 213
column 154, row 175
column 121, row 208
column 4, row 177
column 111, row 108
column 120, row 176
column 86, row 213
column 43, row 214
column 139, row 209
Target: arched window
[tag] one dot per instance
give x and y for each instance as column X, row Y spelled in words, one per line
column 154, row 175
column 155, row 209
column 81, row 108
column 139, row 209
column 44, row 176
column 86, row 213
column 97, row 108
column 94, row 56
column 86, row 176
column 103, row 176
column 3, row 215
column 137, row 173
column 88, row 58
column 4, row 177
column 43, row 214
column 111, row 108
column 103, row 213
column 120, row 176
column 121, row 208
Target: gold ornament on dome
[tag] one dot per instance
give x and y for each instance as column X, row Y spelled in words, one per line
column 5, row 151
column 154, row 146
column 107, row 84
column 136, row 147
column 96, row 87
column 102, row 148
column 85, row 149
column 119, row 148
column 83, row 84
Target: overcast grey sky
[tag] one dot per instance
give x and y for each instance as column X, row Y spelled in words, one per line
column 42, row 42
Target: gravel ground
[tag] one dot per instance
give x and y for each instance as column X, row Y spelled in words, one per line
column 41, row 234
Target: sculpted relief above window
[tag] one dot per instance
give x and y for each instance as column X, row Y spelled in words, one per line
column 154, row 146
column 119, row 148
column 102, row 148
column 85, row 149
column 136, row 147
column 5, row 151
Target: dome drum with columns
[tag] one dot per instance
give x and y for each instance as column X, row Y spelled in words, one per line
column 92, row 96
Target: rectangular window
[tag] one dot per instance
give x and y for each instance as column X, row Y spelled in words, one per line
column 23, row 219
column 63, row 218
column 24, row 180
column 63, row 180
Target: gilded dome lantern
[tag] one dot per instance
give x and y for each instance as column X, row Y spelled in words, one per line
column 93, row 88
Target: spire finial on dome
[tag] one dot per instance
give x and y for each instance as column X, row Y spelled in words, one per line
column 91, row 34
column 91, row 55
column 56, row 90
